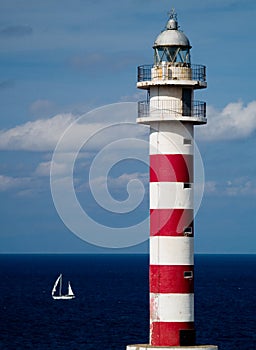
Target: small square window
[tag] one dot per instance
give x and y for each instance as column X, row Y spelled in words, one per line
column 188, row 231
column 187, row 142
column 188, row 274
column 187, row 185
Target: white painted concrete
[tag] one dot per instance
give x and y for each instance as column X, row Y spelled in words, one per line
column 171, row 250
column 172, row 307
column 170, row 195
column 168, row 138
column 152, row 347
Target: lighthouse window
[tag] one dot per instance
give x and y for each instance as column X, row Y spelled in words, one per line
column 164, row 53
column 187, row 102
column 188, row 274
column 188, row 231
column 184, row 56
column 172, row 54
column 186, row 185
column 187, row 142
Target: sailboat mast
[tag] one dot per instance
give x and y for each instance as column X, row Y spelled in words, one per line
column 60, row 284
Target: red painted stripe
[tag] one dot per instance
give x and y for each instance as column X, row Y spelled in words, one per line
column 170, row 222
column 168, row 333
column 170, row 279
column 171, row 168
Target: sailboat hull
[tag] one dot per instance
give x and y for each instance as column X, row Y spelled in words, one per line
column 64, row 297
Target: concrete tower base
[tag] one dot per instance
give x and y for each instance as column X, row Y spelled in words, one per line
column 152, row 347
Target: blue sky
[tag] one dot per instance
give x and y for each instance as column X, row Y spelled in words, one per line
column 62, row 59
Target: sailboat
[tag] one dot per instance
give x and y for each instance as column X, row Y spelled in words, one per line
column 58, row 283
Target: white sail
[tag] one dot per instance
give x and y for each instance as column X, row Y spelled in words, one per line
column 56, row 283
column 70, row 291
column 70, row 294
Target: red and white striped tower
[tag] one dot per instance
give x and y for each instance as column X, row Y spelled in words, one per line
column 171, row 111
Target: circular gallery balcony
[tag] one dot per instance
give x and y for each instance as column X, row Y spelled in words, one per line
column 167, row 110
column 177, row 73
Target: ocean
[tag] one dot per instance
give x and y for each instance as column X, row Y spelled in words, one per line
column 110, row 310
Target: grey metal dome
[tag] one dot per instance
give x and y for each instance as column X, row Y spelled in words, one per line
column 172, row 36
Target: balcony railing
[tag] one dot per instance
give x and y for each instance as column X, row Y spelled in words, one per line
column 172, row 108
column 172, row 71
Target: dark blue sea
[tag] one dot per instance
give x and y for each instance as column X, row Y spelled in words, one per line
column 111, row 305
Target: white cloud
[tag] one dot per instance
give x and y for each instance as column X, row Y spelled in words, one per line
column 8, row 182
column 24, row 186
column 210, row 187
column 241, row 186
column 123, row 179
column 114, row 183
column 60, row 169
column 235, row 121
column 39, row 135
column 43, row 169
column 130, row 190
column 98, row 127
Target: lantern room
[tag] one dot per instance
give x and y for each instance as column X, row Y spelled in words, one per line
column 172, row 45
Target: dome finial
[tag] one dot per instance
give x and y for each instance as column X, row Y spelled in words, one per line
column 172, row 22
column 172, row 14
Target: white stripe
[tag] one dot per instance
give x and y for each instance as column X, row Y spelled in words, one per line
column 168, row 138
column 172, row 307
column 171, row 250
column 152, row 347
column 170, row 195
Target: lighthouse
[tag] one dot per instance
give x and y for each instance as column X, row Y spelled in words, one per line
column 171, row 111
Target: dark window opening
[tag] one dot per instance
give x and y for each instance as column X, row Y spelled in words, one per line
column 187, row 185
column 188, row 231
column 186, row 102
column 187, row 337
column 188, row 274
column 187, row 142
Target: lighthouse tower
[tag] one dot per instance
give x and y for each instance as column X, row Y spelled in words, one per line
column 171, row 111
